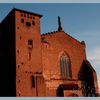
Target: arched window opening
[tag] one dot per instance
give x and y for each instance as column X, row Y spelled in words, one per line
column 65, row 67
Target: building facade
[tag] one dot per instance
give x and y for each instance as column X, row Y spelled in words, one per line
column 35, row 64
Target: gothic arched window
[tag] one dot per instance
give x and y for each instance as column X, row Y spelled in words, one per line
column 65, row 67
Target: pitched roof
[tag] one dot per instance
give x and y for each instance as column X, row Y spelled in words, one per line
column 89, row 65
column 54, row 32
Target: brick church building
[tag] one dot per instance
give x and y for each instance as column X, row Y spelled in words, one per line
column 35, row 64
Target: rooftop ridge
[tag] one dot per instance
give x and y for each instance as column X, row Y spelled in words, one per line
column 16, row 9
column 81, row 42
column 73, row 38
column 49, row 33
column 27, row 12
column 53, row 32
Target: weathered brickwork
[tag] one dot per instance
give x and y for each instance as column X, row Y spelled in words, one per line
column 51, row 64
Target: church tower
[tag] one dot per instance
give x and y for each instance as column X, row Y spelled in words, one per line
column 22, row 53
column 28, row 53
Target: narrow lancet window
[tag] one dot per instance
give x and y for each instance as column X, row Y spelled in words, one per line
column 65, row 67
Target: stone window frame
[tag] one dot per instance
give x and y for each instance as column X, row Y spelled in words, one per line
column 65, row 66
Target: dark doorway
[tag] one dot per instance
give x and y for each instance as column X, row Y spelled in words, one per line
column 62, row 87
column 60, row 91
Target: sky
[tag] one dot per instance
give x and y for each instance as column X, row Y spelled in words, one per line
column 80, row 20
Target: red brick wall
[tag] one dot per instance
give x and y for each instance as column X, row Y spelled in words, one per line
column 53, row 45
column 58, row 43
column 25, row 66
